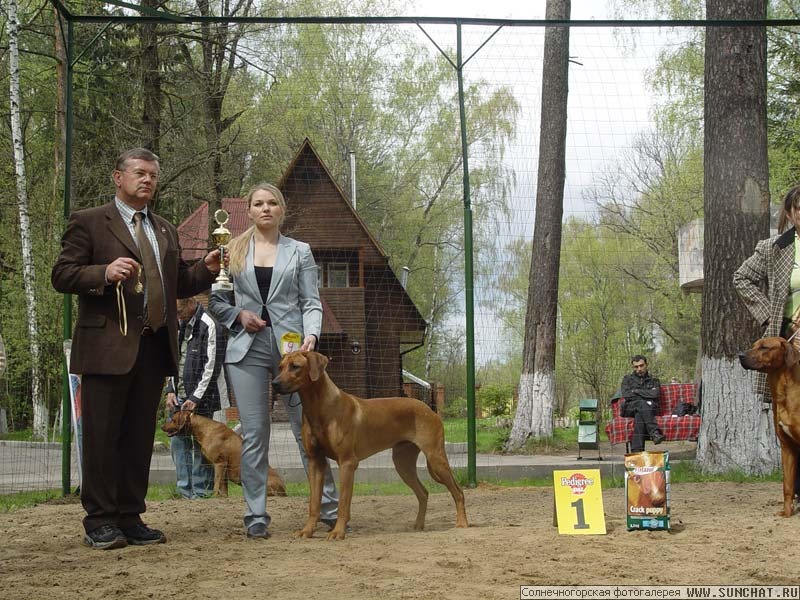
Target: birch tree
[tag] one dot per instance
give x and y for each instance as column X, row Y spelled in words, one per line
column 736, row 432
column 40, row 418
column 534, row 416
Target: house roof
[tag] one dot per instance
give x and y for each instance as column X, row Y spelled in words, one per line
column 307, row 151
column 319, row 214
column 193, row 232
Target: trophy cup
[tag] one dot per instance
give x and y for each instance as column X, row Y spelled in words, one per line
column 221, row 236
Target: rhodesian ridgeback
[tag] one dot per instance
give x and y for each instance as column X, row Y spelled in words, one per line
column 348, row 429
column 778, row 359
column 222, row 447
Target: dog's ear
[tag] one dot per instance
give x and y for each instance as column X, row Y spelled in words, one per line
column 790, row 355
column 316, row 365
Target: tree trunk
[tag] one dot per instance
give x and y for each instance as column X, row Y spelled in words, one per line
column 40, row 418
column 60, row 145
column 534, row 416
column 218, row 44
column 432, row 317
column 151, row 83
column 736, row 432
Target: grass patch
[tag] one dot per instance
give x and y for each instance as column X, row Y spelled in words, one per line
column 562, row 440
column 492, row 433
column 12, row 502
column 681, row 472
column 26, row 435
column 688, row 472
column 21, row 435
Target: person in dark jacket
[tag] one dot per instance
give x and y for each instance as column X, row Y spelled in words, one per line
column 124, row 264
column 196, row 388
column 641, row 391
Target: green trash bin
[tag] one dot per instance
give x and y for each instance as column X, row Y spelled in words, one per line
column 588, row 430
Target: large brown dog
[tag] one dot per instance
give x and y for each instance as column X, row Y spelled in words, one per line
column 777, row 358
column 222, row 447
column 347, row 429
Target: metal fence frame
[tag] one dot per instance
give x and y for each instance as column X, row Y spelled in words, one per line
column 150, row 15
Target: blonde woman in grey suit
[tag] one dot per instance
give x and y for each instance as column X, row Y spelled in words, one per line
column 274, row 308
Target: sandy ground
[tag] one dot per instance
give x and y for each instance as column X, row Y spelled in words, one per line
column 723, row 533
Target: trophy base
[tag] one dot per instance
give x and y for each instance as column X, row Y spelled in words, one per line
column 222, row 286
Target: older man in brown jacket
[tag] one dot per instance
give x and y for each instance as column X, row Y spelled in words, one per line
column 124, row 264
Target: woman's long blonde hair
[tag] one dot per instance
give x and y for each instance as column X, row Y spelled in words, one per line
column 238, row 246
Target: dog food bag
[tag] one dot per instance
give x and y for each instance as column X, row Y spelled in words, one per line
column 647, row 490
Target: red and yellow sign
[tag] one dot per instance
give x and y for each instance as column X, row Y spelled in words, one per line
column 579, row 502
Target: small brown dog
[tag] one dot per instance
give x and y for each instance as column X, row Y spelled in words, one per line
column 778, row 359
column 348, row 429
column 222, row 447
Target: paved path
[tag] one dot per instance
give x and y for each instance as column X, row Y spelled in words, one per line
column 26, row 466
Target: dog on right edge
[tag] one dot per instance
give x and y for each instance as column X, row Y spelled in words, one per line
column 348, row 429
column 778, row 359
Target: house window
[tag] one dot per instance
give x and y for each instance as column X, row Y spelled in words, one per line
column 337, row 275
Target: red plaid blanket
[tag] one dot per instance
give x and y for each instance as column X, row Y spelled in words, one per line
column 620, row 429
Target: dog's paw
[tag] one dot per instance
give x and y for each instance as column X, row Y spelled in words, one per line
column 304, row 533
column 335, row 535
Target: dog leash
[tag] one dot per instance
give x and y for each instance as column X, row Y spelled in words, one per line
column 121, row 310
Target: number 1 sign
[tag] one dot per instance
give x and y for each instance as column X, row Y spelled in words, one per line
column 579, row 502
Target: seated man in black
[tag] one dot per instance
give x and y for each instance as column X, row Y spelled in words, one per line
column 640, row 391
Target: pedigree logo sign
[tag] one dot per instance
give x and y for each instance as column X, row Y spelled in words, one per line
column 578, row 498
column 577, row 482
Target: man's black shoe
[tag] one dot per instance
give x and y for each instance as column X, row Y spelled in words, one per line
column 658, row 438
column 331, row 523
column 258, row 530
column 105, row 537
column 142, row 535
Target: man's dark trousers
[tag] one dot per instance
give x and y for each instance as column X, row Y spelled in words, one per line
column 119, row 417
column 644, row 420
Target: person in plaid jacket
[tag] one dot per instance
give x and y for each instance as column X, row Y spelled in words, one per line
column 776, row 263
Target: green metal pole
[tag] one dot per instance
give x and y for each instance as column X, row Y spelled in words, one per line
column 468, row 287
column 66, row 405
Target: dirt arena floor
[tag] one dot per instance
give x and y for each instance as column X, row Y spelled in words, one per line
column 723, row 533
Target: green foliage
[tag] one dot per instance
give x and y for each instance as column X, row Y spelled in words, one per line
column 618, row 292
column 783, row 112
column 455, row 408
column 394, row 104
column 496, row 399
column 370, row 89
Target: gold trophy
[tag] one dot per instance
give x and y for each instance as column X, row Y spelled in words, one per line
column 221, row 236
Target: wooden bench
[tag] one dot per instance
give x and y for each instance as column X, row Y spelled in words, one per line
column 620, row 429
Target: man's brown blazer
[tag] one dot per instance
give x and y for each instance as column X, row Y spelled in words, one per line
column 94, row 238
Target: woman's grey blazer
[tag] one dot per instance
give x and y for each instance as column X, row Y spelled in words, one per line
column 293, row 302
